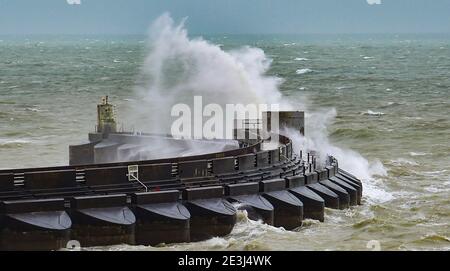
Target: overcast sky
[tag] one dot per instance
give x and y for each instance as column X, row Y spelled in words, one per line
column 226, row 16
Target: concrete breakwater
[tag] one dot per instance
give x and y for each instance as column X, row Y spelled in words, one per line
column 167, row 200
column 128, row 188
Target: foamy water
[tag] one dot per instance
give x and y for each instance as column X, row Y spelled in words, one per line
column 303, row 71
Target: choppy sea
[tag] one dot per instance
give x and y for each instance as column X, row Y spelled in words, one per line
column 390, row 93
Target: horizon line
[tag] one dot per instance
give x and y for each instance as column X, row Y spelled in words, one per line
column 232, row 34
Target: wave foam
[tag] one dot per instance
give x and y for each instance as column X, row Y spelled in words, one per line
column 303, row 71
column 33, row 109
column 372, row 113
column 418, row 153
column 403, row 162
column 10, row 142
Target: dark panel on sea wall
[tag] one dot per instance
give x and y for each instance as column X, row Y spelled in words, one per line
column 6, row 181
column 241, row 189
column 25, row 206
column 311, row 177
column 203, row 193
column 50, row 179
column 275, row 156
column 87, row 202
column 103, row 176
column 272, row 185
column 246, row 162
column 331, row 171
column 262, row 159
column 155, row 172
column 193, row 169
column 322, row 174
column 295, row 181
column 223, row 165
column 155, row 197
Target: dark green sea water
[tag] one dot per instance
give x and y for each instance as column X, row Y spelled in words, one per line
column 391, row 96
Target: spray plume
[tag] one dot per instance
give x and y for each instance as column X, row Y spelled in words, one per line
column 178, row 68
